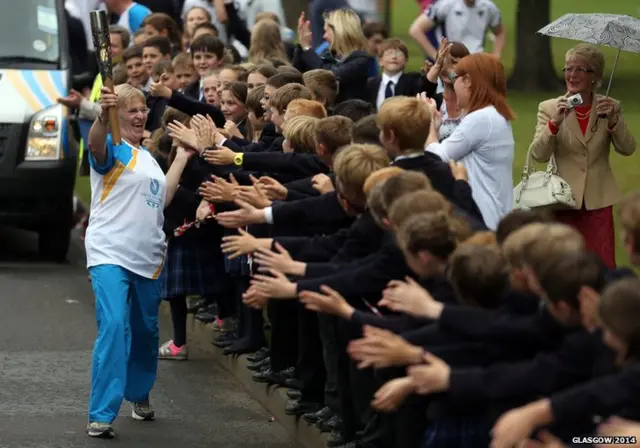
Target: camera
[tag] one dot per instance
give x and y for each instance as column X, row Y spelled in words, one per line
column 574, row 100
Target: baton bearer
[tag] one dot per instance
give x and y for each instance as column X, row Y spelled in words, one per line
column 102, row 44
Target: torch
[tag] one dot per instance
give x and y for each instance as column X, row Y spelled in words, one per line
column 102, row 44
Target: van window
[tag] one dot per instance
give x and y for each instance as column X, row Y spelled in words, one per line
column 29, row 30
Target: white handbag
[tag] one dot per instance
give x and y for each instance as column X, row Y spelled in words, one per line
column 542, row 189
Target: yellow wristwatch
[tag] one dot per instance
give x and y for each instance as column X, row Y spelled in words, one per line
column 238, row 159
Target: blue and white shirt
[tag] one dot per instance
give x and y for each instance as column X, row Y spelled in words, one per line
column 133, row 17
column 128, row 193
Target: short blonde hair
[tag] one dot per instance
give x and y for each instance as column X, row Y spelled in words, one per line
column 286, row 94
column 353, row 165
column 404, row 183
column 548, row 244
column 514, row 243
column 323, row 85
column 347, row 31
column 379, row 177
column 307, row 108
column 408, row 118
column 592, row 56
column 426, row 201
column 300, row 132
column 127, row 94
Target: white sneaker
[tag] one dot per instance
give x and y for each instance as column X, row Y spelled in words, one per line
column 100, row 430
column 142, row 411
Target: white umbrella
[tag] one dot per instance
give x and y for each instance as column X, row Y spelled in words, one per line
column 613, row 30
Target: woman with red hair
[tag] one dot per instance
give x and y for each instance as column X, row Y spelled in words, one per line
column 483, row 142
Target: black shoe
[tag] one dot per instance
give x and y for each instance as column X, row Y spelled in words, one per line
column 258, row 366
column 323, row 414
column 260, row 355
column 293, row 383
column 270, row 377
column 195, row 304
column 224, row 341
column 338, row 440
column 293, row 394
column 207, row 314
column 333, row 424
column 299, row 407
column 241, row 347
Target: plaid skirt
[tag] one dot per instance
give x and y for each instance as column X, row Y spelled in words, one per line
column 191, row 269
column 463, row 432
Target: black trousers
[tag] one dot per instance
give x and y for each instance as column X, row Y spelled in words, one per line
column 283, row 315
column 310, row 368
column 328, row 329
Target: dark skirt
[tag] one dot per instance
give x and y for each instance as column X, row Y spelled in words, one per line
column 597, row 229
column 462, row 432
column 191, row 268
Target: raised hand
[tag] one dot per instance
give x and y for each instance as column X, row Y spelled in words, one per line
column 246, row 215
column 431, row 377
column 275, row 286
column 237, row 245
column 304, row 31
column 232, row 129
column 381, row 348
column 410, row 298
column 158, row 89
column 220, row 156
column 327, row 302
column 183, row 134
column 72, row 100
column 322, row 183
column 205, row 131
column 273, row 189
column 390, row 396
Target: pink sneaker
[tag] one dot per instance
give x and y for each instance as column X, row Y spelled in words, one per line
column 169, row 350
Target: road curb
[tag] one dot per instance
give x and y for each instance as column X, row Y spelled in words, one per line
column 272, row 398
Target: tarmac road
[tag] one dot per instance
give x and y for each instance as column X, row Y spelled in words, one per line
column 47, row 328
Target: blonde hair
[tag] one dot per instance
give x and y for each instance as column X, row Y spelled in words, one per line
column 127, row 94
column 408, row 118
column 300, row 132
column 592, row 56
column 286, row 94
column 379, row 177
column 353, row 165
column 308, row 108
column 513, row 245
column 426, row 201
column 347, row 31
column 556, row 241
column 323, row 85
column 266, row 41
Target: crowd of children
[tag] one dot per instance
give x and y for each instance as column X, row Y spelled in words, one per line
column 354, row 266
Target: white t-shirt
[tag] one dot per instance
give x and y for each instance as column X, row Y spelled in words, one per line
column 133, row 17
column 483, row 142
column 128, row 193
column 465, row 24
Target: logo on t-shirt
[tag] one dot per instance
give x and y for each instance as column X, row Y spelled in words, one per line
column 153, row 200
column 154, row 187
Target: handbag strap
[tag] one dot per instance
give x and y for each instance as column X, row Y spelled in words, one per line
column 529, row 168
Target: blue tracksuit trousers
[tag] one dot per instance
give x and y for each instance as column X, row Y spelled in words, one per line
column 125, row 355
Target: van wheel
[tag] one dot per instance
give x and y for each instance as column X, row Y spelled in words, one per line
column 53, row 243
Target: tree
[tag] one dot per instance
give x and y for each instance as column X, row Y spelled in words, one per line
column 533, row 70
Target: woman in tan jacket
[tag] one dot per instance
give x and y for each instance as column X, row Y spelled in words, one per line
column 580, row 137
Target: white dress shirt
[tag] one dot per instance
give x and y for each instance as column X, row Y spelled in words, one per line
column 483, row 142
column 383, row 87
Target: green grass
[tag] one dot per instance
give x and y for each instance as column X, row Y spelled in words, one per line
column 624, row 87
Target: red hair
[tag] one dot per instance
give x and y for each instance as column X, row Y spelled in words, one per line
column 488, row 83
